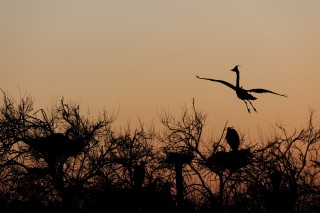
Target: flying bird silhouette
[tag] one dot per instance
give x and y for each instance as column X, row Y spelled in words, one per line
column 233, row 139
column 242, row 93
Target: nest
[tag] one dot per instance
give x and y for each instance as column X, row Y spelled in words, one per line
column 230, row 160
column 181, row 157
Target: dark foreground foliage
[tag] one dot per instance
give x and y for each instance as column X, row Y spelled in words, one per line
column 62, row 161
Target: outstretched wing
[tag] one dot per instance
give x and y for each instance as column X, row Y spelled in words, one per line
column 265, row 91
column 219, row 81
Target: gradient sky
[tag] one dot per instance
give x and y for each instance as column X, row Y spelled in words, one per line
column 142, row 57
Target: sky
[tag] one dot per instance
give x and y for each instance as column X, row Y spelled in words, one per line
column 141, row 58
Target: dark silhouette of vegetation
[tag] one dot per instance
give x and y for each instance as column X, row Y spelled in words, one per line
column 59, row 160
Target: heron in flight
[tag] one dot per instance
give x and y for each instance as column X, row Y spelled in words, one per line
column 242, row 93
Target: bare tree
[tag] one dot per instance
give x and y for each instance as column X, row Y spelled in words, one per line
column 181, row 140
column 48, row 149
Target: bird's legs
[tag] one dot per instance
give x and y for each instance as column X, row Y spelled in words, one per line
column 247, row 106
column 253, row 106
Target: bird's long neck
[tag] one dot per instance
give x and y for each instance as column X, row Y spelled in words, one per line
column 238, row 79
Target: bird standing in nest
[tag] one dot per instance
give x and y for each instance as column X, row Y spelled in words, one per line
column 233, row 139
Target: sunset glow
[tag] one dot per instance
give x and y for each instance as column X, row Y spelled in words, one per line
column 142, row 57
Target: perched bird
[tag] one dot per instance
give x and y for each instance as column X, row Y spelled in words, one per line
column 242, row 94
column 233, row 139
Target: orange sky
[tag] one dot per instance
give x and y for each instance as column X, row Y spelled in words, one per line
column 142, row 56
